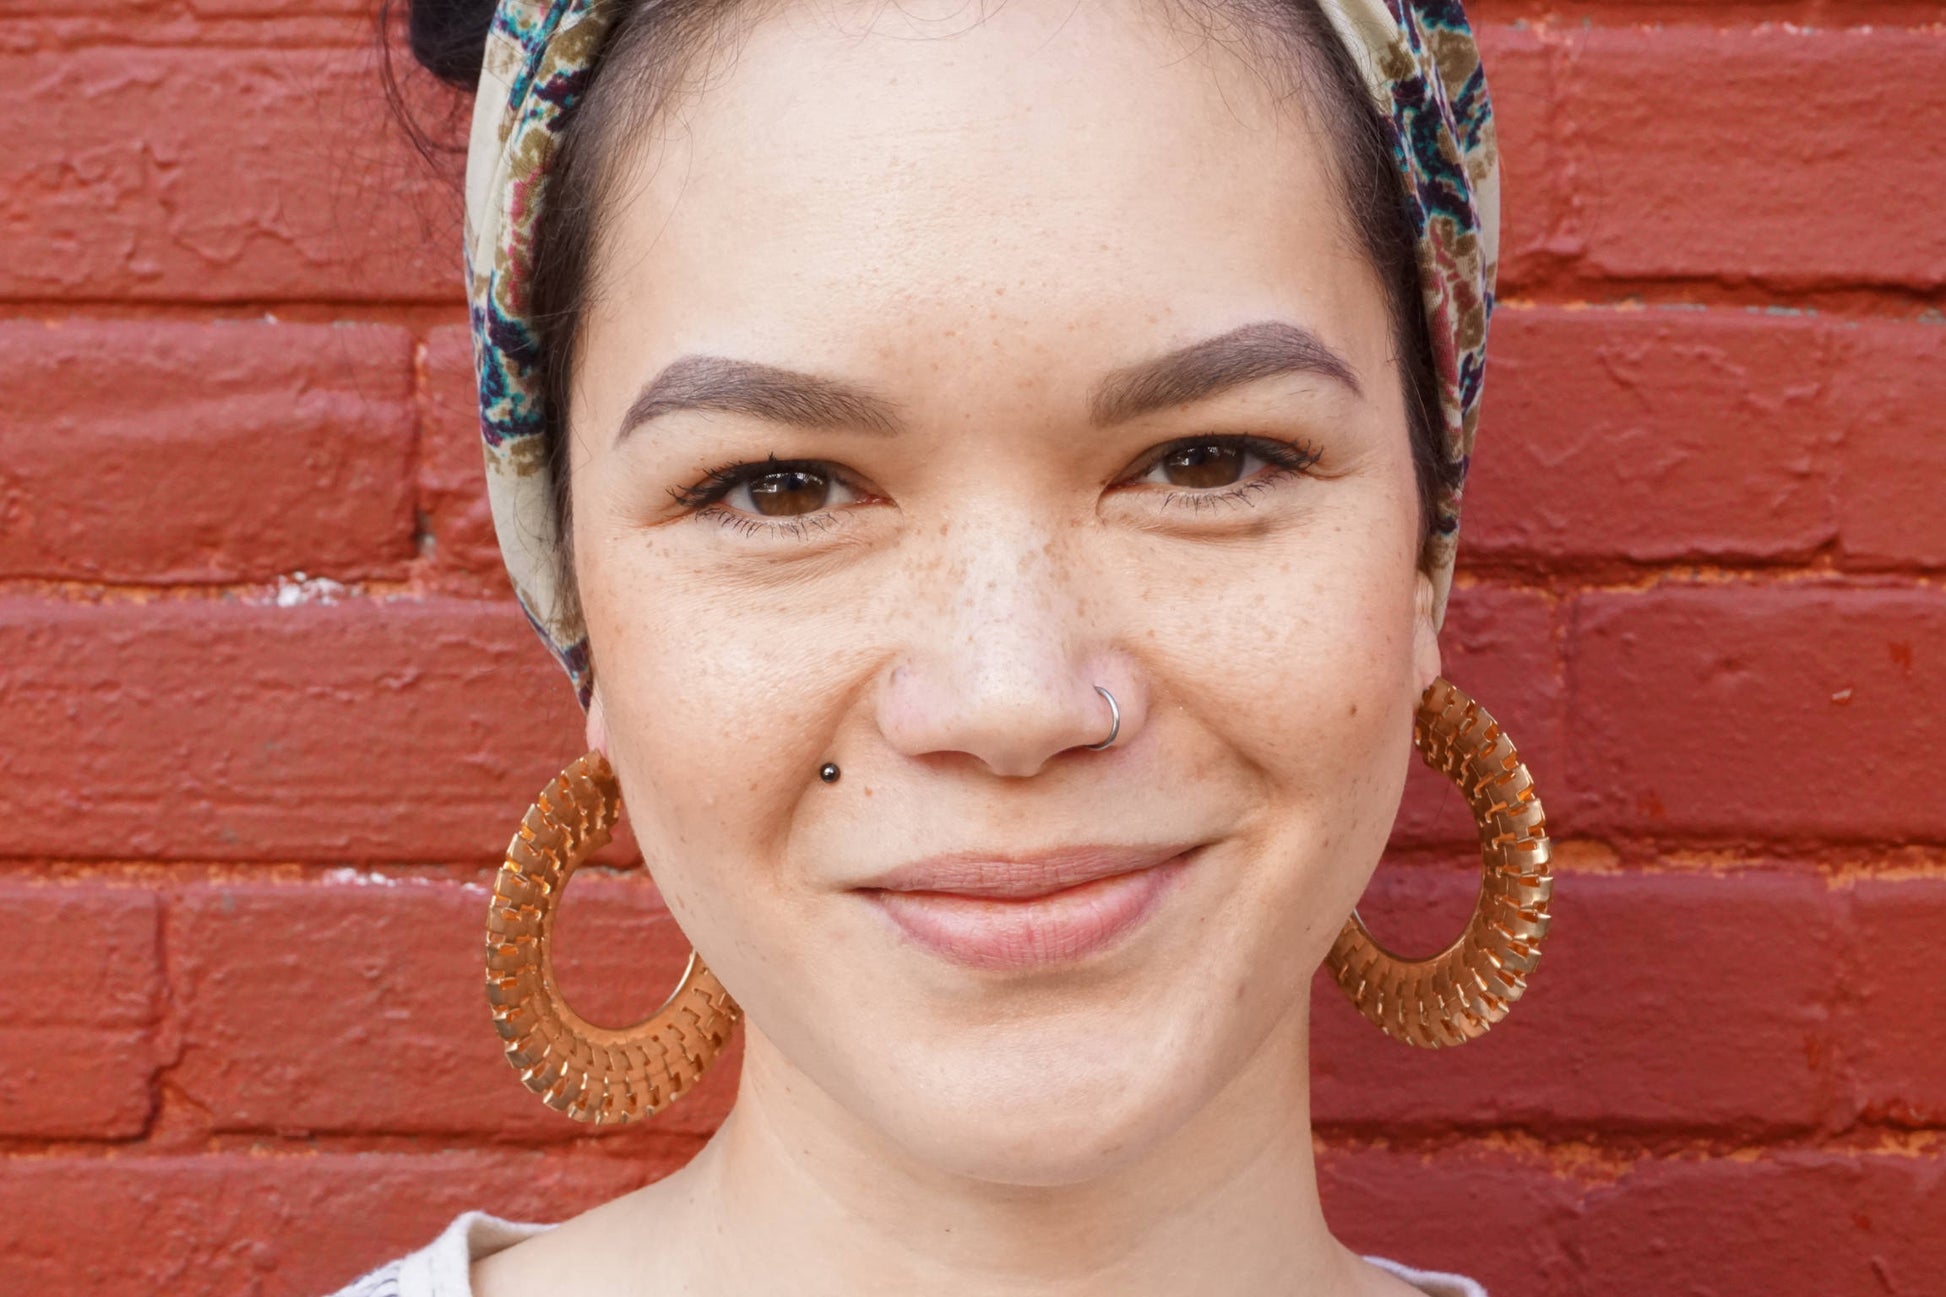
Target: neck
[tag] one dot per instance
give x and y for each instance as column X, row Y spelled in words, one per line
column 797, row 1194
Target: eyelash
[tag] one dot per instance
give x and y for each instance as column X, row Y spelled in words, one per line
column 1281, row 459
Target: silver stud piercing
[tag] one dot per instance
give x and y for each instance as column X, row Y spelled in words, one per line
column 828, row 772
column 1114, row 721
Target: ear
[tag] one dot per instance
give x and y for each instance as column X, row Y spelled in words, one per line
column 1425, row 635
column 597, row 723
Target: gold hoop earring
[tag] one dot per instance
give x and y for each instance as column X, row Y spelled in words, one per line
column 595, row 1074
column 1458, row 994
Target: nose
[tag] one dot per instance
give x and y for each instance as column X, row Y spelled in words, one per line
column 1002, row 654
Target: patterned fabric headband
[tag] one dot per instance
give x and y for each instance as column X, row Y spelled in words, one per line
column 1418, row 59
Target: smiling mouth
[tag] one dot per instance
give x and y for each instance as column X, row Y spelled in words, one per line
column 1026, row 914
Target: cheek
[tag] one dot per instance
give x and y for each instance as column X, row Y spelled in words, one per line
column 717, row 710
column 1302, row 676
column 1304, row 661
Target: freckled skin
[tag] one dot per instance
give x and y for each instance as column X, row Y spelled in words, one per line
column 977, row 226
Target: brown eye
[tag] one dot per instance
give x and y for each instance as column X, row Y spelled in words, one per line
column 789, row 491
column 1205, row 465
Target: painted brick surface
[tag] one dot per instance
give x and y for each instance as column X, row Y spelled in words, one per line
column 1689, row 164
column 80, row 1036
column 105, row 475
column 1898, row 1036
column 1650, row 436
column 1888, row 392
column 182, row 174
column 1661, row 1003
column 216, row 729
column 251, row 1225
column 1759, row 710
column 243, row 1045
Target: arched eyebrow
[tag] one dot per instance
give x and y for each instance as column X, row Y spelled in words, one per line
column 1204, row 369
column 761, row 391
column 1193, row 373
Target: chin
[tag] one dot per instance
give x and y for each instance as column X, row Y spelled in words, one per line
column 1043, row 1104
column 1045, row 1140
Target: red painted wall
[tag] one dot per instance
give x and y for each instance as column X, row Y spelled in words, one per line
column 243, row 1048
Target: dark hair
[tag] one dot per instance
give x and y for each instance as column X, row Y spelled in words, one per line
column 652, row 44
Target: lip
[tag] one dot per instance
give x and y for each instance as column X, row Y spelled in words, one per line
column 1024, row 912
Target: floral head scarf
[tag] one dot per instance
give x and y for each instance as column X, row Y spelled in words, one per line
column 1418, row 58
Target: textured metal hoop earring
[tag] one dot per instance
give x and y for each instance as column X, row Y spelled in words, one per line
column 595, row 1074
column 1458, row 994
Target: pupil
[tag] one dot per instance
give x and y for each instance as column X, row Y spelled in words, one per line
column 790, row 491
column 1213, row 464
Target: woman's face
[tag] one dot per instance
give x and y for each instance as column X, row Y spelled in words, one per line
column 1056, row 326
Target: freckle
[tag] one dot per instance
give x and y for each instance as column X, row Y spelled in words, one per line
column 868, row 792
column 1353, row 711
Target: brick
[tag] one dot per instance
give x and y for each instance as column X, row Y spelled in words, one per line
column 395, row 1035
column 1483, row 1211
column 217, row 175
column 1889, row 390
column 1651, row 436
column 1498, row 645
column 1741, row 711
column 181, row 8
column 252, row 1225
column 1571, row 1222
column 206, row 452
column 1897, row 1034
column 277, row 8
column 365, row 729
column 82, row 956
column 452, row 474
column 1794, row 1223
column 76, row 1083
column 73, row 24
column 1717, row 153
column 1662, row 1002
column 78, row 1048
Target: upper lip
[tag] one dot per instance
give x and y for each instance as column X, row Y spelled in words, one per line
column 1023, row 875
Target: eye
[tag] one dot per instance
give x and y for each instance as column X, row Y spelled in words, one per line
column 1210, row 463
column 792, row 497
column 786, row 492
column 1205, row 464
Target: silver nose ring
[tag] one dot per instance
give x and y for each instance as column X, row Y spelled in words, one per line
column 1114, row 721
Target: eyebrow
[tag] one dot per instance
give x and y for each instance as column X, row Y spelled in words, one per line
column 1196, row 372
column 761, row 391
column 1204, row 369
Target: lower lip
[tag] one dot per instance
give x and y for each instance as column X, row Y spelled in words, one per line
column 1036, row 932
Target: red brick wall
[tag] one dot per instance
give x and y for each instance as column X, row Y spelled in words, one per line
column 251, row 813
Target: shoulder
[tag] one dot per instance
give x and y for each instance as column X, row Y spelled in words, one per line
column 442, row 1267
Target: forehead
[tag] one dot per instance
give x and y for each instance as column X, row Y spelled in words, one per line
column 862, row 170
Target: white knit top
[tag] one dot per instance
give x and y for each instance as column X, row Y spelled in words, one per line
column 443, row 1268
